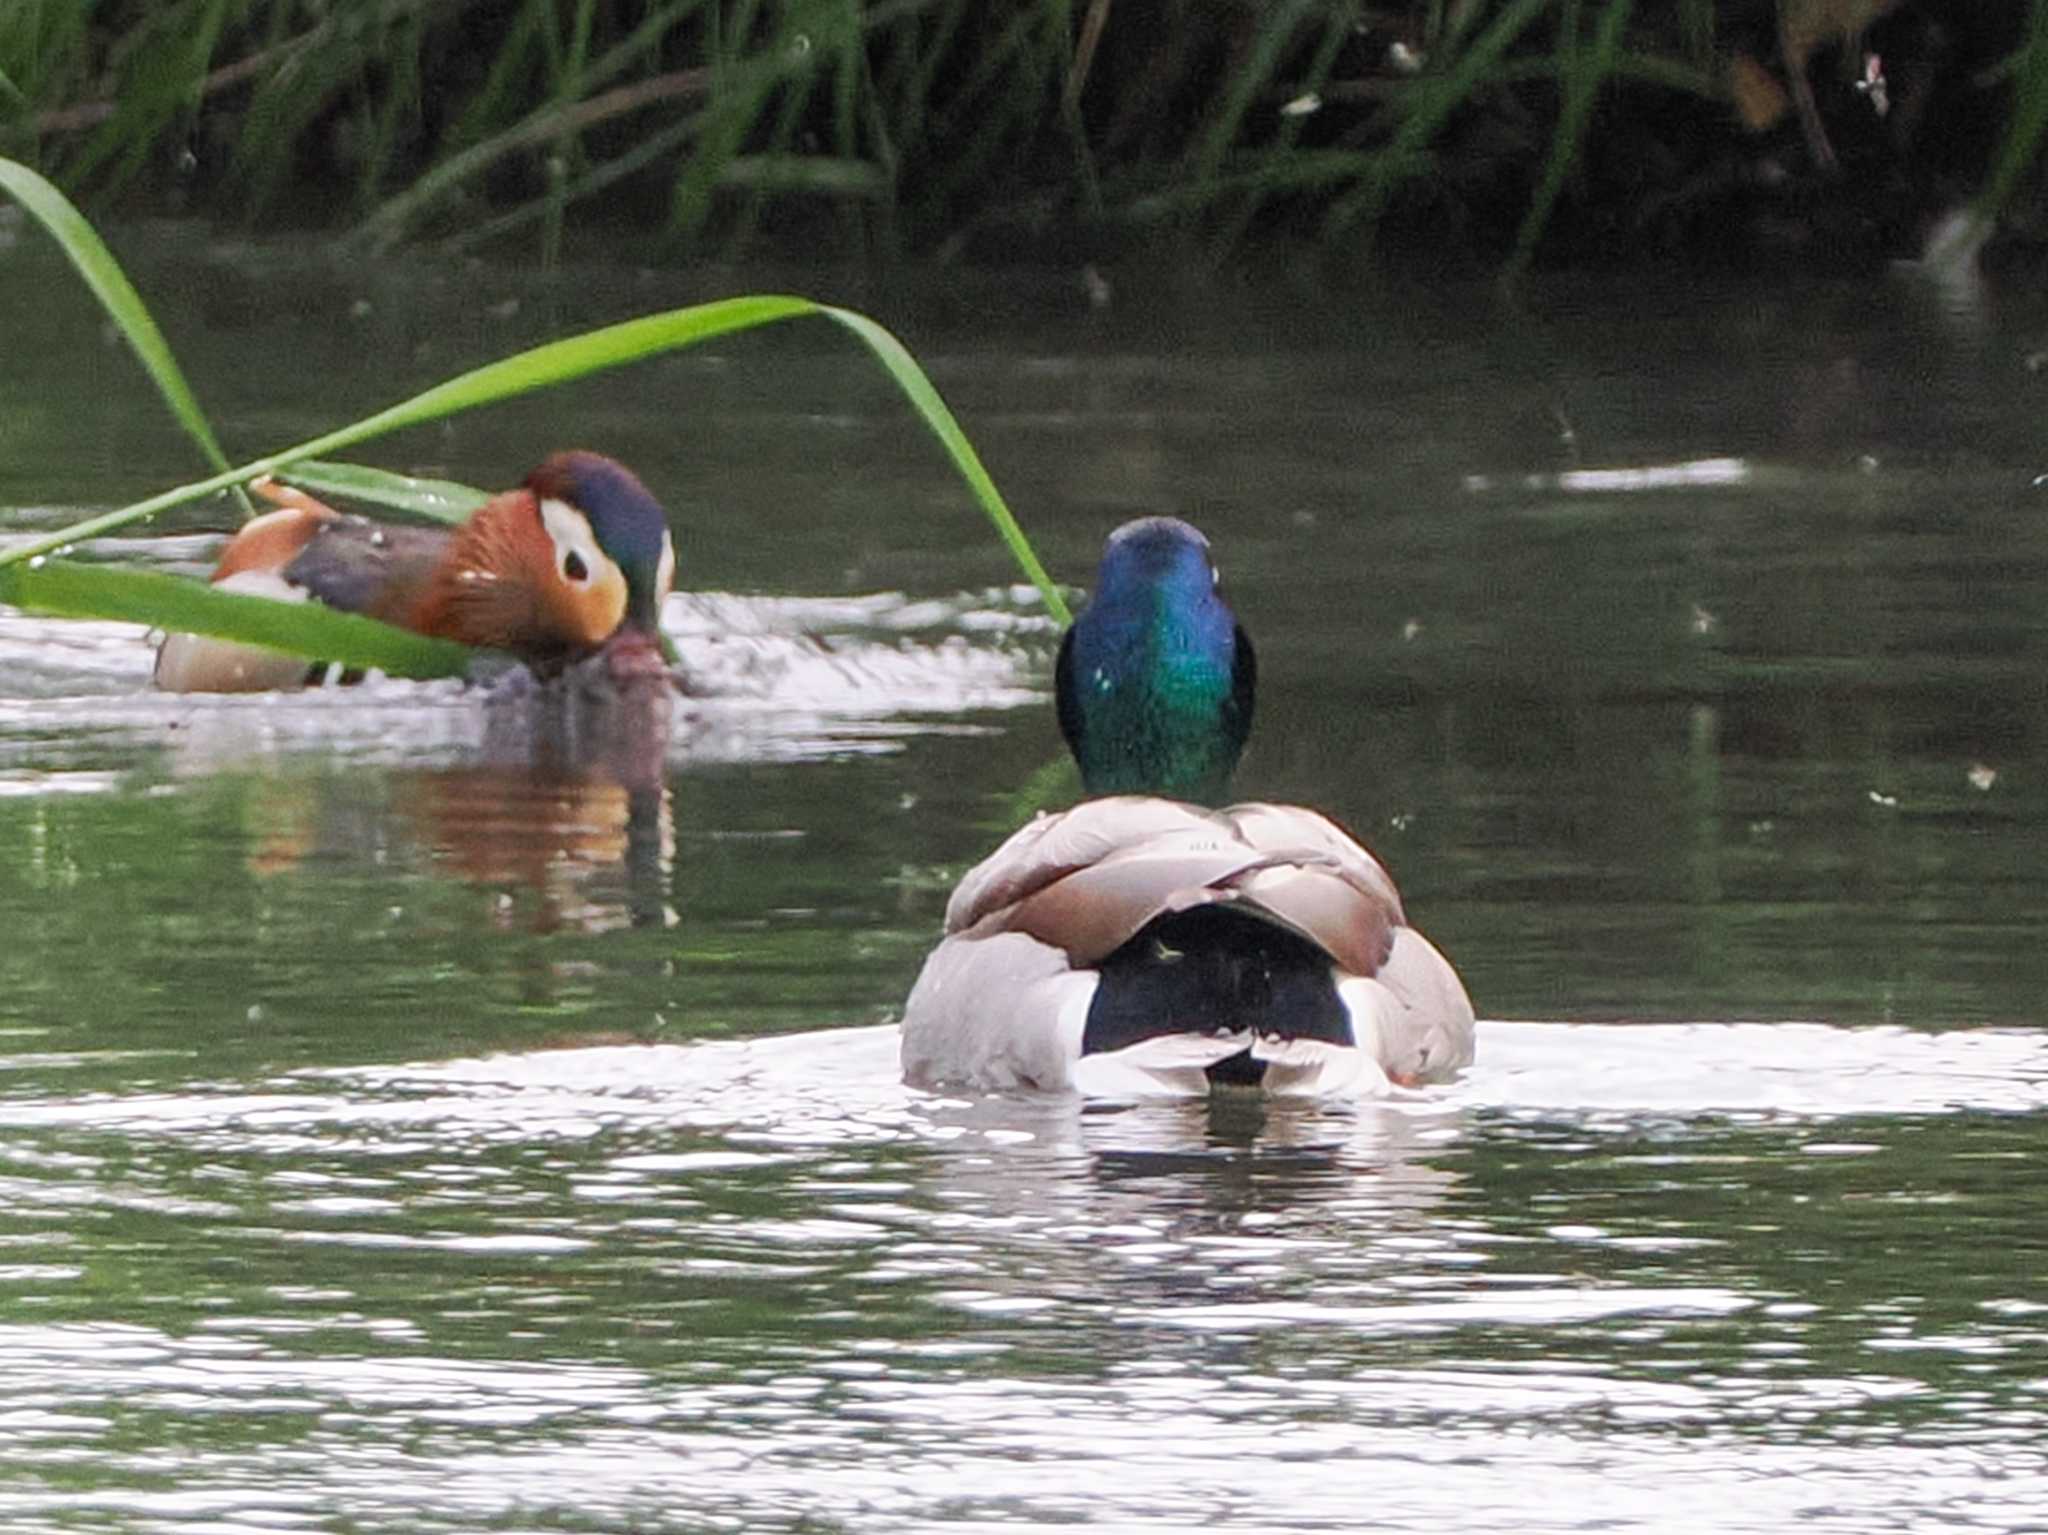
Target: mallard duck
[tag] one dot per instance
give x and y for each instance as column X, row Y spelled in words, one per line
column 1140, row 943
column 577, row 558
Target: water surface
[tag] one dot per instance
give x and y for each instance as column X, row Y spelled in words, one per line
column 417, row 1115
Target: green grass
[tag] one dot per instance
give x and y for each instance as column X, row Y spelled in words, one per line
column 864, row 126
column 1585, row 71
column 2030, row 116
column 31, row 578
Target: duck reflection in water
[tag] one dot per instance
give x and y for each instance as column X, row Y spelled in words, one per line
column 1217, row 1215
column 563, row 812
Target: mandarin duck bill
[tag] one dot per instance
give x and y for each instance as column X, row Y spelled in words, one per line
column 575, row 561
column 1138, row 944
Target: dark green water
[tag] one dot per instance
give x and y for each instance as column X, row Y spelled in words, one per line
column 411, row 1119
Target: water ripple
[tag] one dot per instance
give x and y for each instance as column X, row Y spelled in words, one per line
column 767, row 678
column 762, row 1285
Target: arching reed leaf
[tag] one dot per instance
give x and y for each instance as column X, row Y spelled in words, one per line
column 88, row 253
column 573, row 357
column 924, row 397
column 69, row 589
column 434, row 500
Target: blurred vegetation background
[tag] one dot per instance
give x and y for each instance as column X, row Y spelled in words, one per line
column 1471, row 132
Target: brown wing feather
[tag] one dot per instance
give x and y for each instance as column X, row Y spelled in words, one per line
column 1093, row 911
column 1090, row 879
column 1054, row 846
column 1353, row 927
column 271, row 542
column 1277, row 828
column 362, row 566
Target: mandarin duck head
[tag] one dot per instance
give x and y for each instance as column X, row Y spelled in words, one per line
column 578, row 559
column 613, row 553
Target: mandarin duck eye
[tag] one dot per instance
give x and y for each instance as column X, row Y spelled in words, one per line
column 573, row 568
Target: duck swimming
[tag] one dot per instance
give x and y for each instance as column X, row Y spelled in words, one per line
column 576, row 559
column 1138, row 943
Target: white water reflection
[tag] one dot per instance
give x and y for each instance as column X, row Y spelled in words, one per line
column 430, row 1443
column 763, row 1286
column 796, row 1085
column 1798, row 1069
column 831, row 1085
column 765, row 679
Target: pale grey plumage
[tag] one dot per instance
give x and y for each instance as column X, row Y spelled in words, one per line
column 1002, row 1002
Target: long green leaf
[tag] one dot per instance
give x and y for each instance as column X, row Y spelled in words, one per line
column 591, row 179
column 435, row 500
column 74, row 590
column 611, row 346
column 86, row 251
column 824, row 174
column 1251, row 73
column 924, row 397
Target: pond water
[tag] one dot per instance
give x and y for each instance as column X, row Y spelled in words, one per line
column 416, row 1115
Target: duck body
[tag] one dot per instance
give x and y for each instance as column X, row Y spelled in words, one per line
column 1139, row 943
column 1144, row 945
column 576, row 558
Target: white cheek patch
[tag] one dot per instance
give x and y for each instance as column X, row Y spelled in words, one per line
column 665, row 571
column 569, row 531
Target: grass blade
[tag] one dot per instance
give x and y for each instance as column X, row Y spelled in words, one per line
column 1250, row 75
column 433, row 500
column 924, row 398
column 2029, row 116
column 72, row 590
column 595, row 178
column 825, row 175
column 1584, row 74
column 573, row 357
column 1429, row 107
column 87, row 252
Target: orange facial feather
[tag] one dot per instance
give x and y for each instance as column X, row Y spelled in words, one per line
column 485, row 590
column 500, row 586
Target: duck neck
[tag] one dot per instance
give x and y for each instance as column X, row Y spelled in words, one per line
column 1156, row 699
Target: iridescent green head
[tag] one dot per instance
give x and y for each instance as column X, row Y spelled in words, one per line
column 1155, row 678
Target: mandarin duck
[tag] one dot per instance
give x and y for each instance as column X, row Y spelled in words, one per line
column 1138, row 943
column 575, row 560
